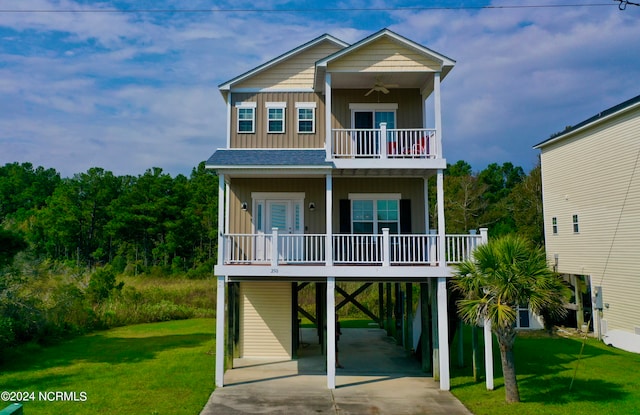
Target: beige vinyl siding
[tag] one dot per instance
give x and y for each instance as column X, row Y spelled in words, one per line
column 241, row 189
column 408, row 115
column 290, row 138
column 265, row 322
column 409, row 188
column 590, row 174
column 294, row 73
column 381, row 56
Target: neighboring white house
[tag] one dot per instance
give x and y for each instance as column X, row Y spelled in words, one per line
column 591, row 197
column 324, row 179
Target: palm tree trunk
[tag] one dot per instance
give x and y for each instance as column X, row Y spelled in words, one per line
column 506, row 339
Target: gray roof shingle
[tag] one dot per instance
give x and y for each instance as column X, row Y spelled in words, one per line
column 268, row 158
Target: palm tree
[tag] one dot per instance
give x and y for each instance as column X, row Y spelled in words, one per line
column 503, row 274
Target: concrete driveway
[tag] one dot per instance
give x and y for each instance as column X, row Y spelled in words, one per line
column 379, row 378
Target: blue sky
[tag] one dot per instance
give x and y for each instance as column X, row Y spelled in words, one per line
column 127, row 91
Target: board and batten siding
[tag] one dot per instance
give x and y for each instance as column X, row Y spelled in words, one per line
column 290, row 138
column 241, row 189
column 593, row 174
column 384, row 55
column 409, row 188
column 265, row 320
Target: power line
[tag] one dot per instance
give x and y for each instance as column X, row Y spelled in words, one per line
column 622, row 6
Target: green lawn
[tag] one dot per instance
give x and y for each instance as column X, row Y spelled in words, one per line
column 161, row 368
column 607, row 380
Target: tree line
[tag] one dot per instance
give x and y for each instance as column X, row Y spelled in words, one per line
column 96, row 218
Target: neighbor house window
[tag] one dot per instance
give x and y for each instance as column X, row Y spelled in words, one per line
column 554, row 225
column 372, row 213
column 275, row 117
column 246, row 117
column 523, row 316
column 306, row 117
column 576, row 228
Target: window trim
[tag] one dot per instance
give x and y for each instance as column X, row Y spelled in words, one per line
column 374, row 197
column 554, row 225
column 246, row 105
column 276, row 106
column 306, row 106
column 576, row 223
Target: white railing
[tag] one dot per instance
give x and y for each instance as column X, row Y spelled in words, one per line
column 460, row 247
column 384, row 143
column 357, row 249
column 348, row 249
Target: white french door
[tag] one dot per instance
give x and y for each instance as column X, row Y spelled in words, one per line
column 287, row 215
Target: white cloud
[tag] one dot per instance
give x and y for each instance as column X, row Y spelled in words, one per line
column 130, row 91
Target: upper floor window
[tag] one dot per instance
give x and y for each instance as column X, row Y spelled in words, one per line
column 246, row 117
column 576, row 227
column 554, row 225
column 306, row 117
column 276, row 117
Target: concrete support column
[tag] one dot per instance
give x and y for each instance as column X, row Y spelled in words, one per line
column 443, row 334
column 488, row 354
column 220, row 339
column 331, row 332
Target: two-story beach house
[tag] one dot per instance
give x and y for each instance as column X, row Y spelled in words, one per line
column 591, row 199
column 324, row 178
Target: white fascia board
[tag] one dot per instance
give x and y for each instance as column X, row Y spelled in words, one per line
column 586, row 126
column 401, row 164
column 226, row 86
column 339, row 271
column 261, row 171
column 445, row 61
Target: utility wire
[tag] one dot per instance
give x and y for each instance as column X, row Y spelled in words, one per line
column 317, row 10
column 624, row 3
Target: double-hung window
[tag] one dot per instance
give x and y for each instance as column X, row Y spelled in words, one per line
column 554, row 225
column 306, row 117
column 576, row 227
column 246, row 117
column 370, row 213
column 276, row 117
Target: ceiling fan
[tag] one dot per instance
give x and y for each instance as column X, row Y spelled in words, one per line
column 380, row 86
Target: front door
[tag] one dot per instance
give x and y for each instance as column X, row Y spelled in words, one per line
column 287, row 216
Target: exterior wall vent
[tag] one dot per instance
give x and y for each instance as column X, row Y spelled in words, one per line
column 603, row 325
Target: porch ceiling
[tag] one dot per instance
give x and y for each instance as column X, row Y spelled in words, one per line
column 364, row 80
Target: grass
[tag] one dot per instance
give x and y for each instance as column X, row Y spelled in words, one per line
column 606, row 381
column 161, row 368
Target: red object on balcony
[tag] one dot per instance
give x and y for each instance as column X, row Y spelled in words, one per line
column 392, row 148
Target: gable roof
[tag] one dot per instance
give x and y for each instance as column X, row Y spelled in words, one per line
column 226, row 86
column 447, row 63
column 600, row 117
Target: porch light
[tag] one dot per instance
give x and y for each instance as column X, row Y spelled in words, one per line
column 312, row 206
column 244, row 206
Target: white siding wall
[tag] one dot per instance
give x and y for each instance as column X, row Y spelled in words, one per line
column 590, row 175
column 265, row 322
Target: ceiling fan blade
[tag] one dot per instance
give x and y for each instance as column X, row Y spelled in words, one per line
column 369, row 93
column 383, row 90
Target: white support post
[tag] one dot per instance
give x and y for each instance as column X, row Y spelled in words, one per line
column 327, row 115
column 220, row 338
column 438, row 114
column 442, row 243
column 221, row 218
column 382, row 140
column 328, row 242
column 484, row 235
column 427, row 225
column 488, row 354
column 443, row 334
column 274, row 247
column 331, row 332
column 386, row 248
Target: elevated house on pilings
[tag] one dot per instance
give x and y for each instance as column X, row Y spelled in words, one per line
column 324, row 179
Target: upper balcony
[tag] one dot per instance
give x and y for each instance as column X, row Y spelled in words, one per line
column 355, row 147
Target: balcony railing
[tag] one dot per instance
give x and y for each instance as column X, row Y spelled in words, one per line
column 405, row 143
column 308, row 249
